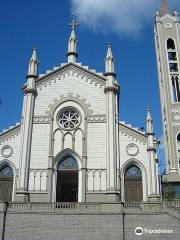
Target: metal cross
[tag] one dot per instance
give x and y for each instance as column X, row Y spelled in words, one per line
column 73, row 24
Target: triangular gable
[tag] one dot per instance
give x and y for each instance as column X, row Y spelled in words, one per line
column 134, row 133
column 80, row 70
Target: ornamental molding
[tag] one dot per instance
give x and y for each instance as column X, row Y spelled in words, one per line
column 71, row 70
column 132, row 149
column 176, row 124
column 168, row 16
column 42, row 120
column 6, row 151
column 69, row 118
column 175, row 111
column 96, row 118
column 70, row 97
column 9, row 134
column 137, row 136
column 176, row 117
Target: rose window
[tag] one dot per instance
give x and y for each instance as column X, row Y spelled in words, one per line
column 69, row 118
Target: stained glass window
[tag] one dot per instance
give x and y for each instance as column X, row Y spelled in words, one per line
column 6, row 171
column 133, row 171
column 69, row 118
column 68, row 163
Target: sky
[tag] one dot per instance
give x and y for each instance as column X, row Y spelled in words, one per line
column 128, row 25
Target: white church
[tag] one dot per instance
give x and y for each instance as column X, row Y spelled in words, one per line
column 70, row 145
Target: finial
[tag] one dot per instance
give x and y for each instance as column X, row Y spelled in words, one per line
column 72, row 44
column 164, row 8
column 149, row 117
column 109, row 62
column 149, row 122
column 33, row 63
column 34, row 53
column 109, row 52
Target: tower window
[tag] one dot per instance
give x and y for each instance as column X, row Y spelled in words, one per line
column 175, row 88
column 172, row 56
column 170, row 44
column 173, row 67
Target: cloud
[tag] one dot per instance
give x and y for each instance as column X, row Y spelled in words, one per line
column 120, row 16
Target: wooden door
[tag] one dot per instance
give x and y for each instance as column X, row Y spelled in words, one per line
column 6, row 188
column 133, row 189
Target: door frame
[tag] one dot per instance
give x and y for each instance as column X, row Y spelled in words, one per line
column 58, row 158
column 69, row 171
column 144, row 177
column 130, row 180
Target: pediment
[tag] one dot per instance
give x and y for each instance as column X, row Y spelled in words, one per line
column 73, row 69
column 134, row 133
column 7, row 134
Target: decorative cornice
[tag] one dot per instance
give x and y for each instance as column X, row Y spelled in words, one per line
column 110, row 74
column 176, row 124
column 74, row 70
column 42, row 120
column 101, row 118
column 138, row 136
column 30, row 90
column 176, row 110
column 70, row 97
column 114, row 89
column 72, row 53
column 10, row 133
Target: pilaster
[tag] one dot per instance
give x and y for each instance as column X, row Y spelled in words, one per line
column 26, row 137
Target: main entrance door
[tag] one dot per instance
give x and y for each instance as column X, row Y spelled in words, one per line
column 67, row 181
column 133, row 184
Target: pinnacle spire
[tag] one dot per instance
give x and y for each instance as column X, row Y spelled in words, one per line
column 33, row 63
column 163, row 8
column 149, row 117
column 109, row 62
column 149, row 122
column 72, row 44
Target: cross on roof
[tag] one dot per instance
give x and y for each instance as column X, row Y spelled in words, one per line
column 73, row 24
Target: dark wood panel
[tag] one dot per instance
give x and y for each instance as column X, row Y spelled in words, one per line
column 133, row 189
column 6, row 187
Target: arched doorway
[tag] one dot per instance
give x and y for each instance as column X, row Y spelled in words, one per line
column 67, row 180
column 133, row 184
column 6, row 183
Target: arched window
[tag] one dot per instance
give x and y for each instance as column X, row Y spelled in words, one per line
column 173, row 69
column 170, row 44
column 6, row 183
column 133, row 184
column 6, row 171
column 68, row 163
column 133, row 171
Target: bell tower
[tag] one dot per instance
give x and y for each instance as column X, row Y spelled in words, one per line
column 167, row 40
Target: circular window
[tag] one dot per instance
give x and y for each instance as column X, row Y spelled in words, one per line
column 69, row 118
column 132, row 149
column 6, row 151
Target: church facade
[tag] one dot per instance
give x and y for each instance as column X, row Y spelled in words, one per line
column 70, row 145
